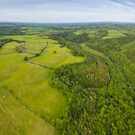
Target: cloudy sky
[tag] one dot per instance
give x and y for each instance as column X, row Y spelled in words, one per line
column 67, row 10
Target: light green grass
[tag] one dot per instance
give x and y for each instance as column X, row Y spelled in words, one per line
column 30, row 98
column 55, row 56
column 8, row 48
column 16, row 119
column 113, row 34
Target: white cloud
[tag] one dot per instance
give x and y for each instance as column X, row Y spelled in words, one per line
column 69, row 12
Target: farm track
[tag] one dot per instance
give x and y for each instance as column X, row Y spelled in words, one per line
column 40, row 65
column 37, row 54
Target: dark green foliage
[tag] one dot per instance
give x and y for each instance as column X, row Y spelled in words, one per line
column 103, row 103
column 7, row 40
column 71, row 40
column 108, row 45
column 21, row 49
column 4, row 41
column 26, row 58
column 12, row 30
column 130, row 53
column 70, row 36
column 94, row 75
column 101, row 33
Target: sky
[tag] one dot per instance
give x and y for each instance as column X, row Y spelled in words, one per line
column 57, row 11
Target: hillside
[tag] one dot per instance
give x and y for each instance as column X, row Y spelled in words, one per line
column 67, row 79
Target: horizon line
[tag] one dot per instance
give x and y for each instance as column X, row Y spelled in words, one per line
column 75, row 22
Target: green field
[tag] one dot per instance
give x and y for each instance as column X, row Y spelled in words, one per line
column 67, row 81
column 26, row 84
column 114, row 34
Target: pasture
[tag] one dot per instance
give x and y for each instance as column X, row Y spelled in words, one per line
column 26, row 84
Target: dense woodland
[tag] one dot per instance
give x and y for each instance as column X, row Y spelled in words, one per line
column 103, row 92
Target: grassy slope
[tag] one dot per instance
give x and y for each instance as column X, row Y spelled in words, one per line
column 114, row 34
column 28, row 102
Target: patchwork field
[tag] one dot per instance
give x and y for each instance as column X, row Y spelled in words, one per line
column 67, row 79
column 25, row 85
column 114, row 34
